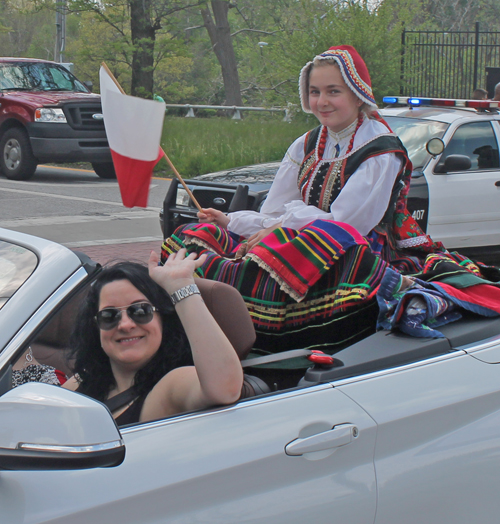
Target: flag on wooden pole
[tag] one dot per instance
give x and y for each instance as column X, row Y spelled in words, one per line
column 133, row 127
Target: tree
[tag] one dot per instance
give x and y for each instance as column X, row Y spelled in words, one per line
column 21, row 26
column 137, row 24
column 222, row 45
column 374, row 29
column 461, row 15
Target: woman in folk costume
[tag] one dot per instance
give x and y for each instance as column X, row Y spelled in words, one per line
column 309, row 264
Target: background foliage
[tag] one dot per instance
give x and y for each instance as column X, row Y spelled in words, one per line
column 271, row 40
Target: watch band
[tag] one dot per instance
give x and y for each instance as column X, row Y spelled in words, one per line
column 184, row 292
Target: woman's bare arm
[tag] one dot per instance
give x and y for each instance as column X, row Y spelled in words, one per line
column 217, row 376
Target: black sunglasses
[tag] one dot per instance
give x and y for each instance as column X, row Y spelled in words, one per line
column 141, row 313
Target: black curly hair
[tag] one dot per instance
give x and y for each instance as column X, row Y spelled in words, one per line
column 92, row 364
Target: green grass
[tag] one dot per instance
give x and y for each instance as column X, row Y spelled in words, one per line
column 202, row 145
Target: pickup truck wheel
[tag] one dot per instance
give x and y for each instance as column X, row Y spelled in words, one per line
column 104, row 169
column 16, row 158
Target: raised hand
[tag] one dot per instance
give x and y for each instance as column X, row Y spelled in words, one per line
column 177, row 271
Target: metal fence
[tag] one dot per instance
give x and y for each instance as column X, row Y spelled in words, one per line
column 234, row 111
column 449, row 64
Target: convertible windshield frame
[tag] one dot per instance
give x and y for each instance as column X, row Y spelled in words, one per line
column 17, row 264
column 38, row 76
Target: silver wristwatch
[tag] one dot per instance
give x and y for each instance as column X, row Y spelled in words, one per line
column 184, row 292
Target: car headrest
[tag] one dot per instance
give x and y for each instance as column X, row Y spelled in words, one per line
column 229, row 310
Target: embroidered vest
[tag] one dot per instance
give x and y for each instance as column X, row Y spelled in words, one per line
column 320, row 182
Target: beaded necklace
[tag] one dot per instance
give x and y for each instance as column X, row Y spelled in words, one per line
column 324, row 136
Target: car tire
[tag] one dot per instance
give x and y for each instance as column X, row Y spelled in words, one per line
column 104, row 169
column 17, row 161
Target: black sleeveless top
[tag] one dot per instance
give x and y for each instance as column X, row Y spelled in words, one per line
column 132, row 413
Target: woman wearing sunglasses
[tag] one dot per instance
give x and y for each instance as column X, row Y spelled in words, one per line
column 138, row 335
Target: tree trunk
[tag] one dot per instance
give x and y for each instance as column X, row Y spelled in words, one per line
column 222, row 44
column 143, row 39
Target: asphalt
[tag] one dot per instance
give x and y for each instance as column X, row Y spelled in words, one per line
column 133, row 251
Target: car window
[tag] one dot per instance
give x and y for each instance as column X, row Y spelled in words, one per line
column 16, row 265
column 477, row 141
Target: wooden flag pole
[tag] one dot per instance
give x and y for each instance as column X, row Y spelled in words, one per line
column 176, row 173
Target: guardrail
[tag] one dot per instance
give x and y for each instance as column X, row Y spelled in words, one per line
column 236, row 110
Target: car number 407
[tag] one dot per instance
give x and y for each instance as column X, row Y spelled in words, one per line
column 418, row 214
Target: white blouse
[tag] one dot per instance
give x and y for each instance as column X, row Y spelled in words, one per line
column 361, row 203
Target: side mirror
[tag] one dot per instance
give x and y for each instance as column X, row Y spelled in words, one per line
column 45, row 427
column 435, row 146
column 239, row 200
column 89, row 85
column 454, row 163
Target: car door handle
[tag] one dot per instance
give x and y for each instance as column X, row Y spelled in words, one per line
column 339, row 435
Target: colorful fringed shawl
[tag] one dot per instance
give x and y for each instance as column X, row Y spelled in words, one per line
column 421, row 307
column 322, row 278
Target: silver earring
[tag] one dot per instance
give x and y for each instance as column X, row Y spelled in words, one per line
column 29, row 357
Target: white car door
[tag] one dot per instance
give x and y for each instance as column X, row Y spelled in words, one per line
column 222, row 466
column 464, row 206
column 437, row 457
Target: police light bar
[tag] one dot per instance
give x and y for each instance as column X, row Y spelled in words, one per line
column 439, row 102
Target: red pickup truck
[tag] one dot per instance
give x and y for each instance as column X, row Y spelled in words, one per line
column 48, row 115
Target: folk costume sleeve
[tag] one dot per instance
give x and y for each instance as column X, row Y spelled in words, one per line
column 283, row 191
column 361, row 203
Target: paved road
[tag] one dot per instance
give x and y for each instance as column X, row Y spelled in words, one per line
column 76, row 208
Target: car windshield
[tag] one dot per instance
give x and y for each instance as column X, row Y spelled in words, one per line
column 415, row 134
column 16, row 265
column 38, row 76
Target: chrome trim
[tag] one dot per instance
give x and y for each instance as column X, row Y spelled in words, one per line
column 233, row 407
column 89, row 448
column 485, row 344
column 390, row 371
column 32, row 323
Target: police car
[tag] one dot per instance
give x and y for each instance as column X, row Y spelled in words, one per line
column 455, row 189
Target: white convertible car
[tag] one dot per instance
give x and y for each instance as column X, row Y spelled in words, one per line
column 399, row 430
